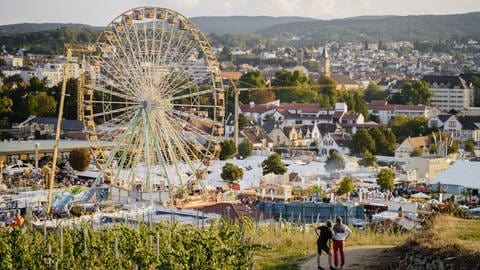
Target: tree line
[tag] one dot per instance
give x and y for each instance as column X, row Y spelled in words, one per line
column 20, row 99
column 296, row 87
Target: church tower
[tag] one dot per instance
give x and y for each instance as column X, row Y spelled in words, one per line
column 324, row 66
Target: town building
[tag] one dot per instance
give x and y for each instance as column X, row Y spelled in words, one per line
column 385, row 112
column 411, row 143
column 461, row 127
column 449, row 92
column 427, row 168
column 339, row 142
column 324, row 68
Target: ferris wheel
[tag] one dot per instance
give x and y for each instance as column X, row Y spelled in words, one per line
column 153, row 89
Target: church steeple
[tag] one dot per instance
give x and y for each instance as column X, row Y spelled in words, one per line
column 324, row 67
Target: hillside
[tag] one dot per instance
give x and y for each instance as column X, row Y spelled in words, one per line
column 22, row 28
column 49, row 41
column 247, row 31
column 424, row 27
column 241, row 25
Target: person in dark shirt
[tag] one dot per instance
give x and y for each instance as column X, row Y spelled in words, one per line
column 325, row 235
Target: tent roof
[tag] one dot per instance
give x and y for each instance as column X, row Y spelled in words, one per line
column 463, row 173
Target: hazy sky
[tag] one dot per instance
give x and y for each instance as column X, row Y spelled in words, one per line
column 101, row 12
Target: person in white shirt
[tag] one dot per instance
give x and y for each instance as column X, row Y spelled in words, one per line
column 341, row 232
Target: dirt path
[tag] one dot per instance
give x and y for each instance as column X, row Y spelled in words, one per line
column 361, row 257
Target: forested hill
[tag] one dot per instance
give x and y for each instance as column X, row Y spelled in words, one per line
column 237, row 30
column 22, row 28
column 241, row 25
column 395, row 28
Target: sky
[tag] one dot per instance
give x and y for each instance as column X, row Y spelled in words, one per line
column 101, row 12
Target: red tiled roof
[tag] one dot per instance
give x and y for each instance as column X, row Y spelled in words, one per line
column 378, row 102
column 303, row 107
column 364, row 125
column 337, row 115
column 350, row 116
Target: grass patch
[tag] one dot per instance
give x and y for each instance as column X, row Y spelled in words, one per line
column 449, row 231
column 287, row 246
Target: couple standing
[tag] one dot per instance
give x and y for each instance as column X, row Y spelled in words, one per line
column 338, row 233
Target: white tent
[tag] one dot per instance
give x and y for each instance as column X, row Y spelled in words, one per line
column 420, row 195
column 399, row 200
column 434, row 202
column 462, row 173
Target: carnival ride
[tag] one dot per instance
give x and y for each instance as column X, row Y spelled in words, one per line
column 152, row 86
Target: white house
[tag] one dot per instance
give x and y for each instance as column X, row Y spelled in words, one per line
column 335, row 141
column 461, row 127
column 386, row 111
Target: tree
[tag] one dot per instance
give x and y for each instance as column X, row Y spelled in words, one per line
column 300, row 92
column 390, row 142
column 251, row 79
column 416, row 92
column 79, row 159
column 361, row 141
column 245, row 148
column 469, row 146
column 379, row 139
column 41, row 104
column 432, row 149
column 346, row 186
column 416, row 152
column 231, row 172
column 36, row 85
column 274, row 164
column 385, row 179
column 334, row 161
column 373, row 91
column 453, row 148
column 227, row 150
column 263, row 96
column 404, row 127
column 354, row 100
column 6, row 105
column 225, row 54
column 242, row 121
column 70, row 106
column 328, row 89
column 368, row 160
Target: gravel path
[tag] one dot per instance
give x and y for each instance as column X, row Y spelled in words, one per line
column 361, row 257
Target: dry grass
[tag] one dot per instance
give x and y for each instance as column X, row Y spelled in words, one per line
column 449, row 234
column 287, row 247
